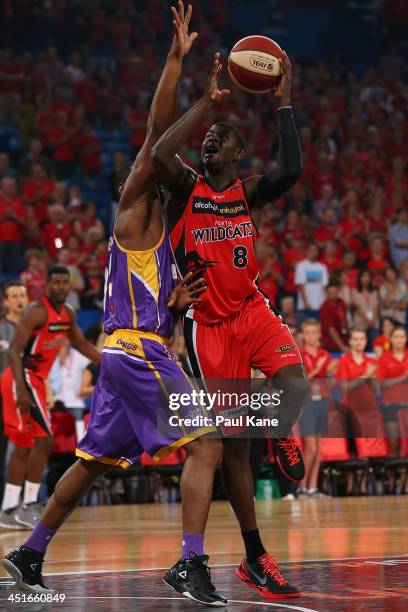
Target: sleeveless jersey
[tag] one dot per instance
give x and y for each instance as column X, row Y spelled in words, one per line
column 137, row 287
column 46, row 341
column 215, row 237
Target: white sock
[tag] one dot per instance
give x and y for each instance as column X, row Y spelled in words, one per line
column 11, row 497
column 31, row 492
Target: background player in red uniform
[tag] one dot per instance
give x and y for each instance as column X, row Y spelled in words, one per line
column 314, row 421
column 393, row 376
column 233, row 326
column 36, row 343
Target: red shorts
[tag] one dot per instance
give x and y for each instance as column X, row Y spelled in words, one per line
column 22, row 430
column 253, row 337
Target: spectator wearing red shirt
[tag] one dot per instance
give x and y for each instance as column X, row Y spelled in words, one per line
column 352, row 231
column 330, row 257
column 356, row 373
column 35, row 275
column 270, row 273
column 377, row 263
column 328, row 200
column 350, row 270
column 313, row 422
column 60, row 138
column 291, row 257
column 393, row 376
column 33, row 157
column 382, row 343
column 329, row 228
column 89, row 148
column 55, row 234
column 333, row 319
column 292, row 230
column 37, row 193
column 13, row 217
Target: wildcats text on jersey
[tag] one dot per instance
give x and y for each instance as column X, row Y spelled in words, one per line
column 219, row 232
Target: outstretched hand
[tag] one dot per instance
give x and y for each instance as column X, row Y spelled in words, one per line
column 213, row 92
column 184, row 294
column 283, row 90
column 182, row 40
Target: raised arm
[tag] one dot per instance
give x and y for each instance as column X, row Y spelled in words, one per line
column 163, row 108
column 170, row 170
column 262, row 189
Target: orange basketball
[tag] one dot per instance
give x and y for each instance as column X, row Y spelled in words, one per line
column 253, row 64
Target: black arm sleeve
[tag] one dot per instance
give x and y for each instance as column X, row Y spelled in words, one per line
column 278, row 180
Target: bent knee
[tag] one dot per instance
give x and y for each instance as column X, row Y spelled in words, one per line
column 236, row 450
column 209, row 450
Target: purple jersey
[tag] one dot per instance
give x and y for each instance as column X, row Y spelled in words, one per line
column 137, row 287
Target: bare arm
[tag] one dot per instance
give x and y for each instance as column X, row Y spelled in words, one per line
column 268, row 187
column 336, row 338
column 86, row 387
column 33, row 318
column 79, row 342
column 162, row 111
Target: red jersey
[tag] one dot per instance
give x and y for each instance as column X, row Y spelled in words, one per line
column 361, row 397
column 46, row 341
column 390, row 367
column 215, row 237
column 318, row 387
column 383, row 342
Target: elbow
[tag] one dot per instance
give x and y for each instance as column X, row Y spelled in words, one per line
column 157, row 155
column 293, row 174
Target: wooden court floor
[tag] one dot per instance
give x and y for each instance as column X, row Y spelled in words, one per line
column 345, row 554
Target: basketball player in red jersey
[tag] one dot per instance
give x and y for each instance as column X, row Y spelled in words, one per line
column 38, row 338
column 233, row 326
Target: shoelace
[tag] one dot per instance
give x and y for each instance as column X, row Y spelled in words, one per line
column 289, row 447
column 271, row 567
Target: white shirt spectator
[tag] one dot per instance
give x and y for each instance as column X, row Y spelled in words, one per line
column 398, row 237
column 313, row 276
column 72, row 369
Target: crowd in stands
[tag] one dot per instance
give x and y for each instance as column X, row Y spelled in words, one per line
column 334, row 248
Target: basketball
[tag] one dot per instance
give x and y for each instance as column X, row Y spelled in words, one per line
column 253, row 64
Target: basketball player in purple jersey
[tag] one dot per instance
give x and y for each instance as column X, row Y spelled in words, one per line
column 141, row 291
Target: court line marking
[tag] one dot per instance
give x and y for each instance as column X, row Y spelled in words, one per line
column 153, row 569
column 238, row 601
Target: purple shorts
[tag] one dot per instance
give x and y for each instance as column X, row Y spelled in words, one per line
column 130, row 410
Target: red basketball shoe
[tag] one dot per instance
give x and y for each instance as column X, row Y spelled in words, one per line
column 265, row 577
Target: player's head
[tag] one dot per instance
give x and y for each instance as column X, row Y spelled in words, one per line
column 224, row 144
column 15, row 298
column 398, row 338
column 311, row 332
column 122, row 176
column 358, row 340
column 58, row 284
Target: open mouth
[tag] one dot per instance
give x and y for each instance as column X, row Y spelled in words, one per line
column 211, row 149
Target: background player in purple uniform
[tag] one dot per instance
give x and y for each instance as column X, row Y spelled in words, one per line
column 141, row 286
